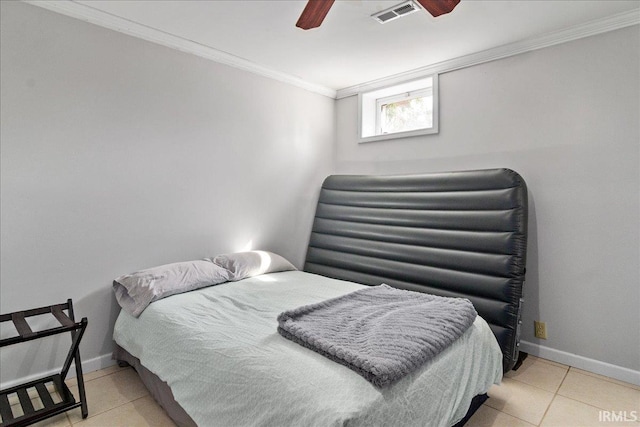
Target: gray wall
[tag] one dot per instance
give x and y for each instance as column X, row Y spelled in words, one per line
column 119, row 154
column 566, row 118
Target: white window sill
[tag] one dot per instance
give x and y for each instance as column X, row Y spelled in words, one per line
column 398, row 135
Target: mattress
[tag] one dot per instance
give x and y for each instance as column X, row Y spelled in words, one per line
column 219, row 351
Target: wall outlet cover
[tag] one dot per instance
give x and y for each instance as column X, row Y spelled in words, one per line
column 540, row 329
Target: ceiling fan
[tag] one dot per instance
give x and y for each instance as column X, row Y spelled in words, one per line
column 316, row 10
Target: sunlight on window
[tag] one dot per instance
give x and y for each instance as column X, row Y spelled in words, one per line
column 413, row 112
column 400, row 110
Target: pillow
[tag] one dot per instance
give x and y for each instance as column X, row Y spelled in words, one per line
column 136, row 291
column 248, row 264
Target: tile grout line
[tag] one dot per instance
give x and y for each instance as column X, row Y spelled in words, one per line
column 587, row 403
column 517, row 418
column 71, row 423
column 509, row 415
column 591, row 374
column 605, row 378
column 555, row 394
column 539, row 388
column 113, row 409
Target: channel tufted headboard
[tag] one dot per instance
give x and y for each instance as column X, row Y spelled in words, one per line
column 461, row 234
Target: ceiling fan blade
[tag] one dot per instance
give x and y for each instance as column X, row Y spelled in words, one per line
column 439, row 7
column 314, row 13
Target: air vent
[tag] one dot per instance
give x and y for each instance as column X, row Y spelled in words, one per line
column 395, row 12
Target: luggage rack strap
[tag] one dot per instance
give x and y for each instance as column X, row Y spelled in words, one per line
column 25, row 333
column 23, row 328
column 64, row 320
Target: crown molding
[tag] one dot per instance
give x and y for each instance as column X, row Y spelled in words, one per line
column 107, row 20
column 112, row 22
column 587, row 29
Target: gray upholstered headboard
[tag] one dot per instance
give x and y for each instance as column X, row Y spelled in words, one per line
column 461, row 234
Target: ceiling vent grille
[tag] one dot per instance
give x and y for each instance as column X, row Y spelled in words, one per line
column 395, row 12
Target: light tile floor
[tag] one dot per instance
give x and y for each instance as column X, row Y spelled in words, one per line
column 541, row 393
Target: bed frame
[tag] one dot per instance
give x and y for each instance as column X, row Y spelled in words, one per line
column 457, row 234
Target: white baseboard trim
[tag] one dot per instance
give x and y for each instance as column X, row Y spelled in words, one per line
column 90, row 365
column 581, row 362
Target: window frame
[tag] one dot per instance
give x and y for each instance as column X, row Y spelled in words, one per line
column 369, row 114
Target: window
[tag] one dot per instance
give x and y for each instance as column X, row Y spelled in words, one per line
column 398, row 111
column 404, row 112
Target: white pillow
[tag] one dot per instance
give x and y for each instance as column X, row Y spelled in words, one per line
column 136, row 291
column 248, row 264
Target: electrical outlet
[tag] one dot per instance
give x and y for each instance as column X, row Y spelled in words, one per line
column 540, row 329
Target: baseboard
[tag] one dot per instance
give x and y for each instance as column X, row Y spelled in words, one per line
column 90, row 365
column 581, row 362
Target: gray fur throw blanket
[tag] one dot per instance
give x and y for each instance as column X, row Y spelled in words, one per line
column 380, row 332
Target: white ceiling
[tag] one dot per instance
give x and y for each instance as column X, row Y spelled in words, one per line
column 350, row 47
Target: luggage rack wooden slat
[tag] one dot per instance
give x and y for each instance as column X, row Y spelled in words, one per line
column 62, row 399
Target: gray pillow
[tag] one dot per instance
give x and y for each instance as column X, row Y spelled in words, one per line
column 136, row 291
column 248, row 264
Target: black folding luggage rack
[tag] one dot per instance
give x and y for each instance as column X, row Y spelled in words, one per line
column 51, row 405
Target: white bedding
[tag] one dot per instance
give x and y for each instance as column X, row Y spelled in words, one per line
column 219, row 350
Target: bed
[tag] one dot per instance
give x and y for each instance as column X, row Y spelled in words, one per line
column 456, row 234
